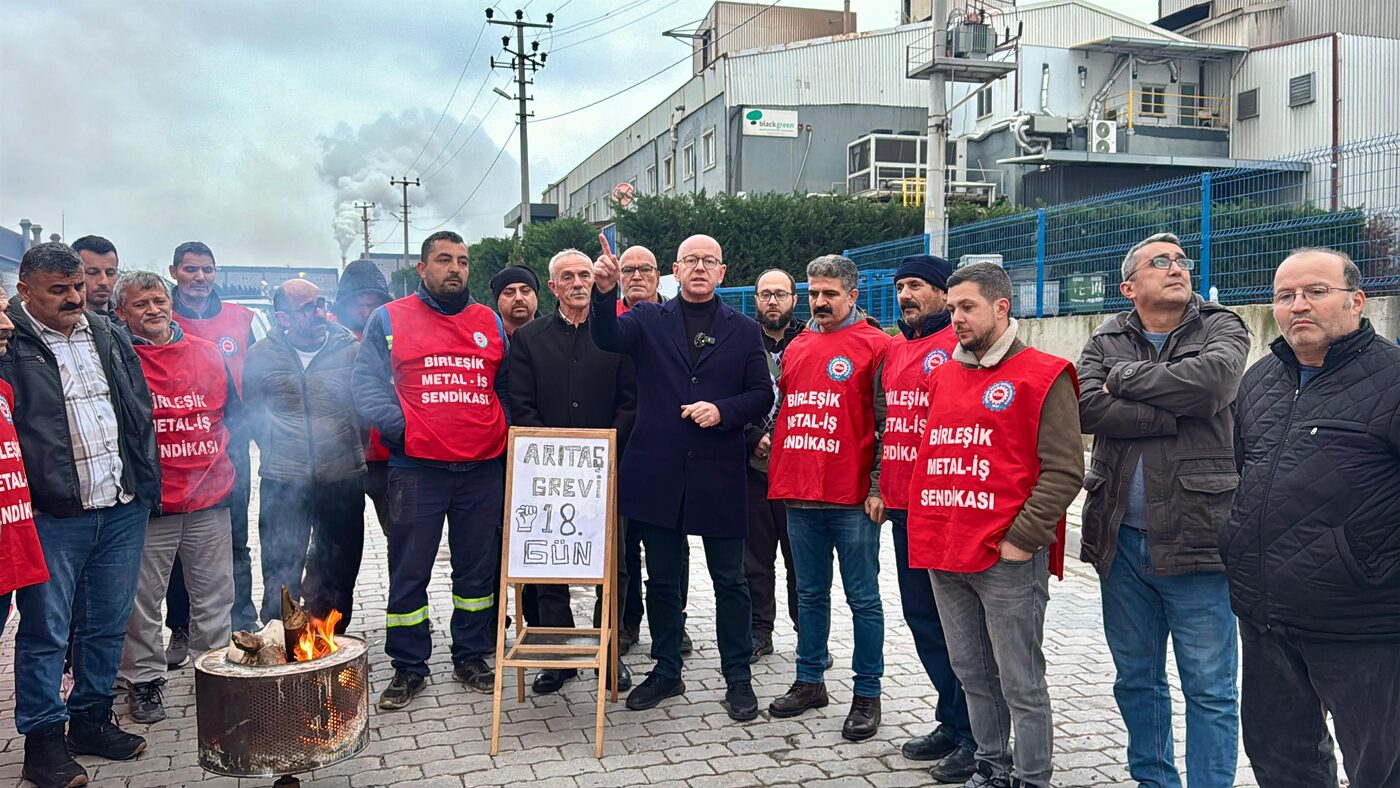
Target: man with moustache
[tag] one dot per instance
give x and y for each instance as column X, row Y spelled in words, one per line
column 431, row 377
column 516, row 292
column 925, row 343
column 1000, row 463
column 1157, row 385
column 21, row 555
column 99, row 272
column 1311, row 547
column 194, row 402
column 83, row 416
column 826, row 468
column 775, row 294
column 559, row 378
column 683, row 472
column 202, row 313
column 297, row 388
column 360, row 291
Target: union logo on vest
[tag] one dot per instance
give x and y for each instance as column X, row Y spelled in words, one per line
column 998, row 396
column 479, row 338
column 228, row 346
column 5, row 411
column 840, row 368
column 935, row 359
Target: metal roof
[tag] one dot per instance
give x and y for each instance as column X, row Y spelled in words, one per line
column 1149, row 47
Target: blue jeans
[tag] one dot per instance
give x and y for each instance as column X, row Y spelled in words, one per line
column 813, row 533
column 94, row 561
column 1140, row 609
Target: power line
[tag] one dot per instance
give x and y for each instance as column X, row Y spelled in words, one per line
column 595, row 36
column 465, row 115
column 596, row 19
column 477, row 188
column 479, row 123
column 656, row 74
column 450, row 98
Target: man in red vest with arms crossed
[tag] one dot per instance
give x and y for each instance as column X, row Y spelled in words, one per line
column 925, row 343
column 193, row 395
column 203, row 314
column 825, row 467
column 430, row 377
column 999, row 464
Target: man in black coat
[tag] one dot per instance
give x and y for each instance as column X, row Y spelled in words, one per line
column 83, row 416
column 1312, row 546
column 683, row 472
column 559, row 378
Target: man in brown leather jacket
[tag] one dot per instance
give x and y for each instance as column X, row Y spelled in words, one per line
column 1156, row 387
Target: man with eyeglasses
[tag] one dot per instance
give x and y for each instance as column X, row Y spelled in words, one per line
column 312, row 463
column 1312, row 546
column 775, row 294
column 641, row 278
column 682, row 471
column 1157, row 384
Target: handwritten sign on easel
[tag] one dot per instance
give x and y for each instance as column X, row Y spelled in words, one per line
column 560, row 528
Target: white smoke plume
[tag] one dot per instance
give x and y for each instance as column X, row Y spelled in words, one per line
column 360, row 162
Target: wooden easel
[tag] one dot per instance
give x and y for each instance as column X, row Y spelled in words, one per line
column 558, row 647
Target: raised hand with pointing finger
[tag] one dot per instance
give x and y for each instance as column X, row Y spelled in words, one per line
column 605, row 272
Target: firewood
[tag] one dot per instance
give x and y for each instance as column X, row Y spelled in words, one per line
column 266, row 647
column 294, row 623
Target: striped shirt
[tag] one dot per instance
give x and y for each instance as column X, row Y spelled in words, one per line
column 92, row 422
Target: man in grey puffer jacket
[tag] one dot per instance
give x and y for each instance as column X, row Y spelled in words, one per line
column 1156, row 385
column 296, row 386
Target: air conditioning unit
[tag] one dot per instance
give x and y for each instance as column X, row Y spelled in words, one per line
column 1103, row 136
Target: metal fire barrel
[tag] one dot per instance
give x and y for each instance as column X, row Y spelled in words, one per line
column 267, row 721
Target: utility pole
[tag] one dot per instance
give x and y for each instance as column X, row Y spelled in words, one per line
column 936, row 186
column 364, row 208
column 405, row 183
column 520, row 59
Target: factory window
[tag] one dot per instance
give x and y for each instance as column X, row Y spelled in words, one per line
column 1154, row 99
column 688, row 161
column 651, row 180
column 707, row 142
column 669, row 165
column 1300, row 90
column 984, row 102
column 1247, row 104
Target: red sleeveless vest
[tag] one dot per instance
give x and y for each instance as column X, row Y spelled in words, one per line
column 824, row 439
column 905, row 380
column 978, row 461
column 444, row 370
column 189, row 394
column 229, row 331
column 21, row 555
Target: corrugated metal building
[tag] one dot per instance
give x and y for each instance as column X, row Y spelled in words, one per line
column 1258, row 23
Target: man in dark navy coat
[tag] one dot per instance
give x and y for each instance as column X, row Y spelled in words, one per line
column 683, row 471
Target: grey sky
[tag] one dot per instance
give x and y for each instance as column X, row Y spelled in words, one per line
column 246, row 124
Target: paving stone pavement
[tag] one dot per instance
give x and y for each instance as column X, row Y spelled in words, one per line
column 443, row 739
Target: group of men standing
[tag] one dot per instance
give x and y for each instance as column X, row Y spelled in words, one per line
column 1211, row 492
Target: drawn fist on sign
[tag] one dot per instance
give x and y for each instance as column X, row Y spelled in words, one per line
column 525, row 516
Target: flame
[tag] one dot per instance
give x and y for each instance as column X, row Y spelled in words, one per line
column 318, row 639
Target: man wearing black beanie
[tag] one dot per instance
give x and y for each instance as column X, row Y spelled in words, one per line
column 516, row 292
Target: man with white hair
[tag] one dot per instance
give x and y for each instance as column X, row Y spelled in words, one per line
column 560, row 378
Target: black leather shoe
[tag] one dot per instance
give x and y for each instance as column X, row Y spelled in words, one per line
column 654, row 690
column 955, row 769
column 402, row 689
column 47, row 763
column 800, row 697
column 930, row 747
column 95, row 732
column 548, row 681
column 475, row 673
column 761, row 647
column 686, row 645
column 624, row 678
column 743, row 706
column 863, row 720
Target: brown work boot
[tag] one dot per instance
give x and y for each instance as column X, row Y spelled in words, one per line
column 800, row 697
column 863, row 720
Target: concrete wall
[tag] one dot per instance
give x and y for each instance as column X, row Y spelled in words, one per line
column 1065, row 336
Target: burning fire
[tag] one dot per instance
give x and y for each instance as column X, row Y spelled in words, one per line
column 318, row 639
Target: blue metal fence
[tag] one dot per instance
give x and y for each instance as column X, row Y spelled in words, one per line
column 1239, row 224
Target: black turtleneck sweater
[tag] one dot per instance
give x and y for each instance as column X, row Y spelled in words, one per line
column 699, row 319
column 931, row 325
